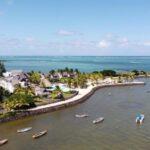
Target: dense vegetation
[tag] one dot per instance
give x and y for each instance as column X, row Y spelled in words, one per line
column 109, row 73
column 3, row 94
column 2, row 68
column 34, row 77
column 21, row 99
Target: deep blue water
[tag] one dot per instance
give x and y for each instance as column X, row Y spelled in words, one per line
column 83, row 63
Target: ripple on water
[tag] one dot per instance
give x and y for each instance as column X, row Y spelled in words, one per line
column 130, row 105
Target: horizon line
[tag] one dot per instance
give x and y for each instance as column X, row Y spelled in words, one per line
column 74, row 55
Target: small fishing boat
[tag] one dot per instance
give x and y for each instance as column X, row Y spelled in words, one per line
column 98, row 120
column 4, row 141
column 35, row 136
column 24, row 130
column 81, row 115
column 140, row 118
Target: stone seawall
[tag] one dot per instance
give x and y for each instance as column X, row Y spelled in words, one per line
column 64, row 104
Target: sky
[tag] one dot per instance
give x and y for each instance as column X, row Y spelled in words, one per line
column 75, row 27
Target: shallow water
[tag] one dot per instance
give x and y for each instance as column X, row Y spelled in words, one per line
column 65, row 132
column 86, row 63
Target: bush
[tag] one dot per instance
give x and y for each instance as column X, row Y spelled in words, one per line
column 3, row 94
column 19, row 101
column 109, row 73
column 136, row 72
column 35, row 77
column 2, row 68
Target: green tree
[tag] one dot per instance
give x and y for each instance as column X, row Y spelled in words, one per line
column 136, row 72
column 109, row 73
column 52, row 72
column 22, row 98
column 20, row 90
column 19, row 101
column 35, row 77
column 3, row 94
column 82, row 80
column 2, row 68
column 66, row 69
column 77, row 71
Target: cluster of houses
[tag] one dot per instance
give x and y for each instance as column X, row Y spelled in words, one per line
column 12, row 78
column 59, row 75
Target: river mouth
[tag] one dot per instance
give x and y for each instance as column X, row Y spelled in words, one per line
column 66, row 132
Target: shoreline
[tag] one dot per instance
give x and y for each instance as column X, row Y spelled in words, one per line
column 83, row 94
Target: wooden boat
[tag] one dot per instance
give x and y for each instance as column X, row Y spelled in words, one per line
column 81, row 115
column 140, row 118
column 4, row 141
column 35, row 136
column 98, row 120
column 24, row 130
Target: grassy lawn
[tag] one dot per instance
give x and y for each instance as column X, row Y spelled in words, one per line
column 67, row 95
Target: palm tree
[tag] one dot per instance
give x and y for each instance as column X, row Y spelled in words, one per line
column 69, row 82
column 51, row 72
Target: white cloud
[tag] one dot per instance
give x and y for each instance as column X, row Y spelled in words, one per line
column 111, row 40
column 107, row 45
column 123, row 41
column 30, row 40
column 147, row 43
column 103, row 44
column 65, row 33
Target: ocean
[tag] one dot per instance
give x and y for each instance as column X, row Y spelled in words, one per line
column 83, row 63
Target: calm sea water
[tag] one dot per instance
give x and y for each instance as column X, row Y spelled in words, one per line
column 65, row 132
column 86, row 63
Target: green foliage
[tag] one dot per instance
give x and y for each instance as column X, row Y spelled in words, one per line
column 57, row 93
column 3, row 94
column 136, row 72
column 82, row 80
column 20, row 90
column 20, row 99
column 54, row 94
column 2, row 68
column 143, row 72
column 52, row 71
column 77, row 71
column 54, row 80
column 109, row 73
column 35, row 77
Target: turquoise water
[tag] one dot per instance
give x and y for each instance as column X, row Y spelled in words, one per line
column 65, row 132
column 86, row 63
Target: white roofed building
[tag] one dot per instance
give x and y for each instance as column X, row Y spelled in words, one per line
column 7, row 86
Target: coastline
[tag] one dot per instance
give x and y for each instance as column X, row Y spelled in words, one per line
column 83, row 95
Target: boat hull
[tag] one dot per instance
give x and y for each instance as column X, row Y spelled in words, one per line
column 81, row 116
column 38, row 135
column 24, row 130
column 2, row 142
column 98, row 120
